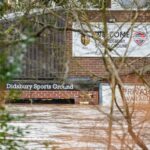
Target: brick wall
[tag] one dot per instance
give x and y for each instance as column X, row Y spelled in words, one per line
column 78, row 96
column 94, row 67
column 87, row 67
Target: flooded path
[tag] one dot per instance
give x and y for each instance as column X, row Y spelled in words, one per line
column 66, row 127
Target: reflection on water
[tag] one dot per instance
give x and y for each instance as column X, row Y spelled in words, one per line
column 64, row 127
column 61, row 126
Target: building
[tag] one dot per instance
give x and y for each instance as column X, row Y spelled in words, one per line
column 67, row 66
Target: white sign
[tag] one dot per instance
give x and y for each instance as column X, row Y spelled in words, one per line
column 135, row 43
column 129, row 4
column 133, row 94
column 36, row 86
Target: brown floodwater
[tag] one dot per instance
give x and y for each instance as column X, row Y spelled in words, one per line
column 71, row 127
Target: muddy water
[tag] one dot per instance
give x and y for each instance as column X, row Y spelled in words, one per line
column 66, row 127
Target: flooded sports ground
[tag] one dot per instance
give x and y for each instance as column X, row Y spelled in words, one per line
column 75, row 74
column 77, row 127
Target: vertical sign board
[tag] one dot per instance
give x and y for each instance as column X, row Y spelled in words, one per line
column 137, row 94
column 122, row 40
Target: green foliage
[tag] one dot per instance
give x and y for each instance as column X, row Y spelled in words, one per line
column 3, row 7
column 9, row 134
column 61, row 2
column 8, row 67
column 84, row 3
column 13, row 44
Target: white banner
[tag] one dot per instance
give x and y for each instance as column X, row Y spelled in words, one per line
column 134, row 94
column 129, row 4
column 133, row 43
